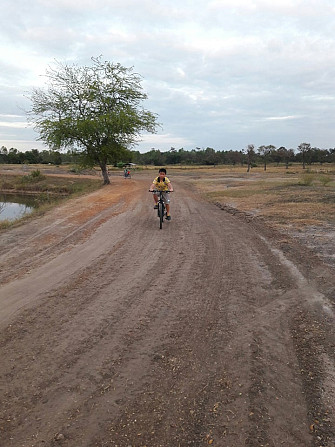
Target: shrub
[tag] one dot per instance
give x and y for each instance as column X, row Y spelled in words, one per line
column 307, row 179
column 37, row 174
column 325, row 179
column 76, row 169
column 33, row 177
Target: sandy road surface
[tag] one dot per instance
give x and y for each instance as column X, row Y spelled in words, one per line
column 212, row 331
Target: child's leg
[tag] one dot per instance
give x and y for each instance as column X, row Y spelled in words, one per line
column 155, row 198
column 167, row 203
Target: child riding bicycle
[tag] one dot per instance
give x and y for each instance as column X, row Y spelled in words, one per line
column 162, row 183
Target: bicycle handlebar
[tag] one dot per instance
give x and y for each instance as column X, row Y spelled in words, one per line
column 157, row 190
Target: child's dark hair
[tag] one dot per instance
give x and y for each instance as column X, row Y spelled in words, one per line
column 162, row 170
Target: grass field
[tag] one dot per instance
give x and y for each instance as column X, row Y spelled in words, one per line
column 292, row 196
column 283, row 196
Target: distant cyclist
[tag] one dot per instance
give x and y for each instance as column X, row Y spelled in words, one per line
column 162, row 183
column 126, row 173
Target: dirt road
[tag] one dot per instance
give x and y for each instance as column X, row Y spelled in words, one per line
column 212, row 331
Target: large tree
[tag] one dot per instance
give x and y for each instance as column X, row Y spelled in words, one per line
column 250, row 155
column 303, row 148
column 96, row 110
column 264, row 152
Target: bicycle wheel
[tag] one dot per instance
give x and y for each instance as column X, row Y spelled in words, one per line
column 161, row 213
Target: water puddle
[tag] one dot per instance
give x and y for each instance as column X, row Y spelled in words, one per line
column 14, row 207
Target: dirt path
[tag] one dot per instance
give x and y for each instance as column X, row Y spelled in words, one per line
column 210, row 332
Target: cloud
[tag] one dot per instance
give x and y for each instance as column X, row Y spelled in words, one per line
column 218, row 73
column 14, row 125
column 10, row 116
column 282, row 118
column 164, row 141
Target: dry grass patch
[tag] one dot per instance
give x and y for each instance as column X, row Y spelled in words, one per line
column 298, row 199
column 44, row 183
column 298, row 214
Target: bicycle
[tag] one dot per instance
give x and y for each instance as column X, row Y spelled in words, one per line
column 161, row 211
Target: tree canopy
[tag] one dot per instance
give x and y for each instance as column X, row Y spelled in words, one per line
column 95, row 110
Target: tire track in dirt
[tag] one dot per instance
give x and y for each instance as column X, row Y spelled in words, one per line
column 175, row 337
column 44, row 238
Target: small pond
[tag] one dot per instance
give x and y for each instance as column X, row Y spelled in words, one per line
column 15, row 206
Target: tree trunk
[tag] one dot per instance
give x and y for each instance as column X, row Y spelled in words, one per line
column 104, row 172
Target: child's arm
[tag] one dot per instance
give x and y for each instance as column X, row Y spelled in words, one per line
column 170, row 186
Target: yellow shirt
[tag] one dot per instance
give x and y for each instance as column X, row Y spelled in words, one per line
column 161, row 186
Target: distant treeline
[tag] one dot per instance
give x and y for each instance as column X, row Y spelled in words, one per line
column 13, row 156
column 263, row 155
column 209, row 156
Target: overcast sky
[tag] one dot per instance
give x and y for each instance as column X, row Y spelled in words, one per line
column 220, row 74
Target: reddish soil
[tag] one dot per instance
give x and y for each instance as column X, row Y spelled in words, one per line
column 213, row 331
